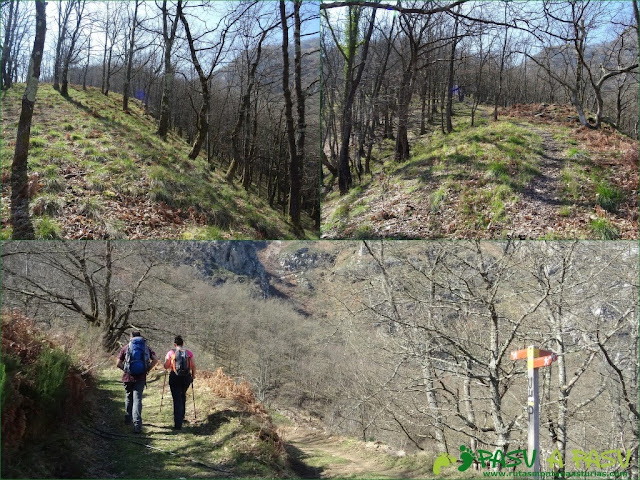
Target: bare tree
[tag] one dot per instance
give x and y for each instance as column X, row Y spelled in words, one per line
column 99, row 282
column 71, row 52
column 571, row 24
column 63, row 19
column 20, row 221
column 11, row 27
column 218, row 49
column 129, row 57
column 352, row 75
column 296, row 141
column 169, row 28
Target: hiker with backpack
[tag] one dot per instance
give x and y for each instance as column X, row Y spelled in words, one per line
column 183, row 371
column 135, row 360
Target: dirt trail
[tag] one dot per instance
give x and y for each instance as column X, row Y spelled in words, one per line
column 541, row 198
column 319, row 455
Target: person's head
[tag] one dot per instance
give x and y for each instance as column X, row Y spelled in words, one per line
column 178, row 341
column 136, row 333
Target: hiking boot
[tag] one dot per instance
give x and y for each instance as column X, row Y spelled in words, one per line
column 137, row 429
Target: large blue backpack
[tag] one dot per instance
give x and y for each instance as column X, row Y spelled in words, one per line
column 138, row 357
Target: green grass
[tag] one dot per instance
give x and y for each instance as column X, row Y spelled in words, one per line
column 484, row 168
column 603, row 229
column 498, row 170
column 363, row 231
column 359, row 209
column 37, row 142
column 437, row 197
column 564, row 211
column 48, row 204
column 47, row 228
column 119, row 156
column 608, row 197
column 211, row 232
column 91, row 207
column 324, row 459
column 224, row 436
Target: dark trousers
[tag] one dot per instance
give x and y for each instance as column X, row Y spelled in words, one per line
column 133, row 402
column 179, row 387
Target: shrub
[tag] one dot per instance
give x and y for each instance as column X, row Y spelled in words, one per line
column 608, row 197
column 49, row 372
column 37, row 142
column 47, row 228
column 603, row 229
column 48, row 204
column 90, row 207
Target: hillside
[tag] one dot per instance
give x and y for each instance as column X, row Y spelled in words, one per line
column 534, row 174
column 97, row 172
column 74, row 412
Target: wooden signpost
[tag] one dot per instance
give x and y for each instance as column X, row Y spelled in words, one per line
column 536, row 358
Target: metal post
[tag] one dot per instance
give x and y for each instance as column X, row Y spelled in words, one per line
column 533, row 408
column 163, row 384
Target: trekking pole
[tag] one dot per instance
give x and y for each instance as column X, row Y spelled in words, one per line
column 195, row 417
column 163, row 384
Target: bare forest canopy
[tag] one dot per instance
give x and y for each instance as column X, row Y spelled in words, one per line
column 391, row 69
column 237, row 81
column 403, row 342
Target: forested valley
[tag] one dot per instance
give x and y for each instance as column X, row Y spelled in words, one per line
column 480, row 119
column 393, row 351
column 171, row 119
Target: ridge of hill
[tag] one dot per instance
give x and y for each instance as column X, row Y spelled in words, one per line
column 98, row 172
column 533, row 174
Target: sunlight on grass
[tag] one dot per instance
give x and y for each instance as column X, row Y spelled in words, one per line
column 608, row 197
column 603, row 229
column 437, row 197
column 118, row 155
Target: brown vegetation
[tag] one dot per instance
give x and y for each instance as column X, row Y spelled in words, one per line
column 23, row 340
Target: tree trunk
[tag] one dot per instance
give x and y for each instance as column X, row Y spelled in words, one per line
column 294, row 166
column 423, row 107
column 20, row 221
column 86, row 67
column 127, row 77
column 350, row 86
column 167, row 90
column 238, row 157
column 5, row 78
column 202, row 122
column 64, row 90
column 62, row 33
column 404, row 101
column 107, row 86
column 502, row 58
column 104, row 56
column 452, row 58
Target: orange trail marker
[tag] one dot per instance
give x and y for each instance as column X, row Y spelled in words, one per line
column 536, row 359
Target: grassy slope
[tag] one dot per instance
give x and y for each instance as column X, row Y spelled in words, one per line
column 225, row 440
column 98, row 172
column 476, row 182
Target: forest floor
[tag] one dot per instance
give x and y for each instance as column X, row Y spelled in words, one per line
column 534, row 174
column 97, row 172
